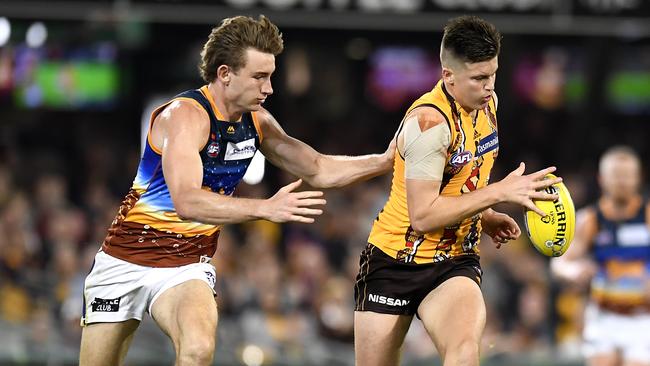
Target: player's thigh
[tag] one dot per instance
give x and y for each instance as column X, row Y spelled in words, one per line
column 187, row 313
column 379, row 337
column 635, row 345
column 106, row 343
column 603, row 359
column 636, row 363
column 638, row 351
column 454, row 313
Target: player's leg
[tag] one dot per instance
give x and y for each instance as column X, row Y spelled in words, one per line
column 635, row 347
column 638, row 352
column 603, row 359
column 379, row 337
column 454, row 316
column 600, row 332
column 112, row 309
column 187, row 313
column 385, row 302
column 636, row 363
column 106, row 344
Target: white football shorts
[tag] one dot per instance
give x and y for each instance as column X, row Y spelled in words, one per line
column 116, row 290
column 606, row 332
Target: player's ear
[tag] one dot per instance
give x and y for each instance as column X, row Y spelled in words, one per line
column 448, row 76
column 223, row 74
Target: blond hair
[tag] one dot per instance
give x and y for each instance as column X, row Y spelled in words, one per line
column 228, row 42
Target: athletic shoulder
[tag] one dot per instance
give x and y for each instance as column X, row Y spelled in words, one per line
column 185, row 109
column 264, row 116
column 427, row 117
column 179, row 117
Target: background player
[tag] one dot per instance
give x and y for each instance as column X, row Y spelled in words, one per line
column 611, row 250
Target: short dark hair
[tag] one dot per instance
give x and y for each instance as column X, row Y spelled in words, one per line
column 229, row 41
column 471, row 39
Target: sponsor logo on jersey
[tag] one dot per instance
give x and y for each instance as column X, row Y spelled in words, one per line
column 487, row 144
column 105, row 305
column 633, row 235
column 241, row 150
column 230, row 130
column 213, row 150
column 387, row 300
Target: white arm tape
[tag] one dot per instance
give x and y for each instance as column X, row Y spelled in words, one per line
column 425, row 153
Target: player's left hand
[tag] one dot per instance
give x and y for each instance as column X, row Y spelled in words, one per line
column 500, row 227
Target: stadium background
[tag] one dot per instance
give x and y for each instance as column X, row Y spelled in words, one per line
column 76, row 78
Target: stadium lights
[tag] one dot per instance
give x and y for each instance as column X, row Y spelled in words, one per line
column 5, row 31
column 252, row 355
column 36, row 34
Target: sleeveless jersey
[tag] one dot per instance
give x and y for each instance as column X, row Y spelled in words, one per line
column 470, row 157
column 622, row 251
column 147, row 230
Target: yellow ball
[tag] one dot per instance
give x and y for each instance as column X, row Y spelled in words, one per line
column 552, row 234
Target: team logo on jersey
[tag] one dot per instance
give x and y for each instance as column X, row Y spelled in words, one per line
column 460, row 158
column 105, row 305
column 230, row 130
column 213, row 150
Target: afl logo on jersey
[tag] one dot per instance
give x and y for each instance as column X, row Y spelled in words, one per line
column 212, row 150
column 460, row 158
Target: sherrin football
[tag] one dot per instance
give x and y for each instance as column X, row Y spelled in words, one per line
column 551, row 235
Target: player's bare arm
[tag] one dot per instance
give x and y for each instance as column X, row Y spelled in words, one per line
column 428, row 210
column 574, row 266
column 316, row 169
column 180, row 132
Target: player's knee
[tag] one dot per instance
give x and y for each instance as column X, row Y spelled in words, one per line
column 197, row 352
column 463, row 353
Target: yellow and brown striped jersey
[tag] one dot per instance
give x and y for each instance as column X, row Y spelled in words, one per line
column 470, row 157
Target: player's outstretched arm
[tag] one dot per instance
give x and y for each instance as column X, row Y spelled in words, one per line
column 575, row 266
column 183, row 130
column 429, row 210
column 319, row 170
column 424, row 140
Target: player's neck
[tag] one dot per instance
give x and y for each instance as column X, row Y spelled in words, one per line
column 452, row 92
column 621, row 208
column 229, row 111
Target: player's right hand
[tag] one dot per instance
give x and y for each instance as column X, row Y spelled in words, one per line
column 287, row 205
column 523, row 189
